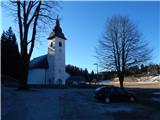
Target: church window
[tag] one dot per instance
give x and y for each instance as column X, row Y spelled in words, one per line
column 60, row 44
column 51, row 44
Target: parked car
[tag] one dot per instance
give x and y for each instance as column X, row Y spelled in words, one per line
column 112, row 94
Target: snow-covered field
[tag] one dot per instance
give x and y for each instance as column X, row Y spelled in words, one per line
column 151, row 82
column 153, row 79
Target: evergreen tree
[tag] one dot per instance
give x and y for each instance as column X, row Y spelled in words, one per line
column 9, row 54
column 92, row 76
column 76, row 71
column 86, row 74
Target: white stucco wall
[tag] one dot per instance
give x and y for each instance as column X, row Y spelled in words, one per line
column 37, row 76
column 59, row 60
column 50, row 71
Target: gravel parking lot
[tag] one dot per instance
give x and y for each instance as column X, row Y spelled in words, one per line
column 73, row 104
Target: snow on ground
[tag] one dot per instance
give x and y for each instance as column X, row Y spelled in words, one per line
column 153, row 79
column 150, row 80
column 103, row 82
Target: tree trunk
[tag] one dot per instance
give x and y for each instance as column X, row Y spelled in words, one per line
column 24, row 74
column 121, row 79
column 121, row 83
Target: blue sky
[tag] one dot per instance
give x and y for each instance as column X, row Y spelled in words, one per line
column 83, row 24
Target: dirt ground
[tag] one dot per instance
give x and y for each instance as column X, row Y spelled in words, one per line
column 75, row 104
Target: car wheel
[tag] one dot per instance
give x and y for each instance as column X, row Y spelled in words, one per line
column 107, row 100
column 132, row 99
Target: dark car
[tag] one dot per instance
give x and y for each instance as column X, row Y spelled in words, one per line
column 112, row 94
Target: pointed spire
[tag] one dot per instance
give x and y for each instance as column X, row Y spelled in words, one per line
column 57, row 27
column 57, row 21
column 57, row 30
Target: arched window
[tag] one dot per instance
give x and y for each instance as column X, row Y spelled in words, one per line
column 60, row 44
column 51, row 44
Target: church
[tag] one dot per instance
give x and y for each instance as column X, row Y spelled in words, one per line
column 50, row 68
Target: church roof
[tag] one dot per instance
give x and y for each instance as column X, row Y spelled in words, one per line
column 39, row 62
column 57, row 31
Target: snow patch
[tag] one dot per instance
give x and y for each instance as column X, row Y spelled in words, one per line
column 153, row 79
column 104, row 82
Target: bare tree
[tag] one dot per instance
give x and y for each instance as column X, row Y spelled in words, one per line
column 30, row 16
column 121, row 47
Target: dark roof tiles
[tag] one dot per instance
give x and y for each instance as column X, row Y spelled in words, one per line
column 39, row 62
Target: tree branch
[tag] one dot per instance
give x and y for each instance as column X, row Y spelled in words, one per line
column 46, row 16
column 34, row 29
column 20, row 25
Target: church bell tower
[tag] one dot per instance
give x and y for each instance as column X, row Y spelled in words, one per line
column 56, row 54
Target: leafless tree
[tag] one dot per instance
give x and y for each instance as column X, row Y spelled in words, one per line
column 121, row 46
column 30, row 16
column 153, row 69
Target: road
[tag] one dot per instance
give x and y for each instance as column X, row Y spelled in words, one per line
column 71, row 104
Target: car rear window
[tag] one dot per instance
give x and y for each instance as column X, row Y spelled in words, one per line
column 100, row 88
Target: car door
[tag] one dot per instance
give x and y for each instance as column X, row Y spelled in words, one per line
column 114, row 95
column 122, row 94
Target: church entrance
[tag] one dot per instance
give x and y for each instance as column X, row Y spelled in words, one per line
column 59, row 81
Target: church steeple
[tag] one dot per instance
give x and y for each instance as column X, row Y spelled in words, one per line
column 56, row 54
column 57, row 31
column 57, row 24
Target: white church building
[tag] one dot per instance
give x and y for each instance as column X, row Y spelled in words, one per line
column 50, row 68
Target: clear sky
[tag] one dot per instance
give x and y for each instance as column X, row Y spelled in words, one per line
column 83, row 24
